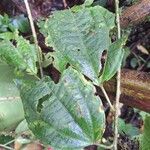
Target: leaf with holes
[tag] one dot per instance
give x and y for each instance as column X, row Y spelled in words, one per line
column 79, row 38
column 66, row 115
column 22, row 55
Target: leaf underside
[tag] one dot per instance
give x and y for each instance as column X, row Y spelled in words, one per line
column 66, row 115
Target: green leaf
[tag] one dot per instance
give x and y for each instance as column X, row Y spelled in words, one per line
column 145, row 138
column 114, row 59
column 66, row 115
column 7, row 87
column 22, row 128
column 100, row 2
column 8, row 35
column 11, row 114
column 5, row 138
column 128, row 129
column 4, row 23
column 88, row 2
column 11, row 109
column 21, row 23
column 79, row 38
column 22, row 55
column 11, row 24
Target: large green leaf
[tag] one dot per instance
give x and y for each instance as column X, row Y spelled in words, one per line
column 11, row 114
column 11, row 109
column 66, row 115
column 22, row 55
column 145, row 138
column 79, row 38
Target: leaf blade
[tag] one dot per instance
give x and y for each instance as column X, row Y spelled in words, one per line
column 114, row 60
column 79, row 38
column 71, row 117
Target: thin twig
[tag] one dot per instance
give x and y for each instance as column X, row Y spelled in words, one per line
column 118, row 19
column 9, row 142
column 34, row 36
column 65, row 3
column 6, row 147
column 106, row 96
column 104, row 146
column 118, row 90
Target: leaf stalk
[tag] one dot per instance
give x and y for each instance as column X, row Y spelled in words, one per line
column 107, row 98
column 34, row 36
column 118, row 90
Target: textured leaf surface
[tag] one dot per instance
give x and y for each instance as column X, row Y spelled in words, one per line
column 145, row 138
column 66, row 115
column 79, row 38
column 114, row 59
column 21, row 56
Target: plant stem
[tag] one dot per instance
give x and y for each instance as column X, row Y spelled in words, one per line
column 118, row 19
column 106, row 96
column 118, row 90
column 104, row 146
column 9, row 142
column 65, row 3
column 34, row 36
column 6, row 147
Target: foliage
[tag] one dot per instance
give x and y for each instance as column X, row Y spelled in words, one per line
column 145, row 138
column 21, row 23
column 22, row 127
column 100, row 2
column 10, row 104
column 114, row 59
column 128, row 129
column 88, row 2
column 22, row 55
column 80, row 37
column 11, row 24
column 5, row 138
column 66, row 115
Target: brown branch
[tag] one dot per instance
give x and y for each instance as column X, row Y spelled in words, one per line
column 130, row 16
column 135, row 14
column 135, row 89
